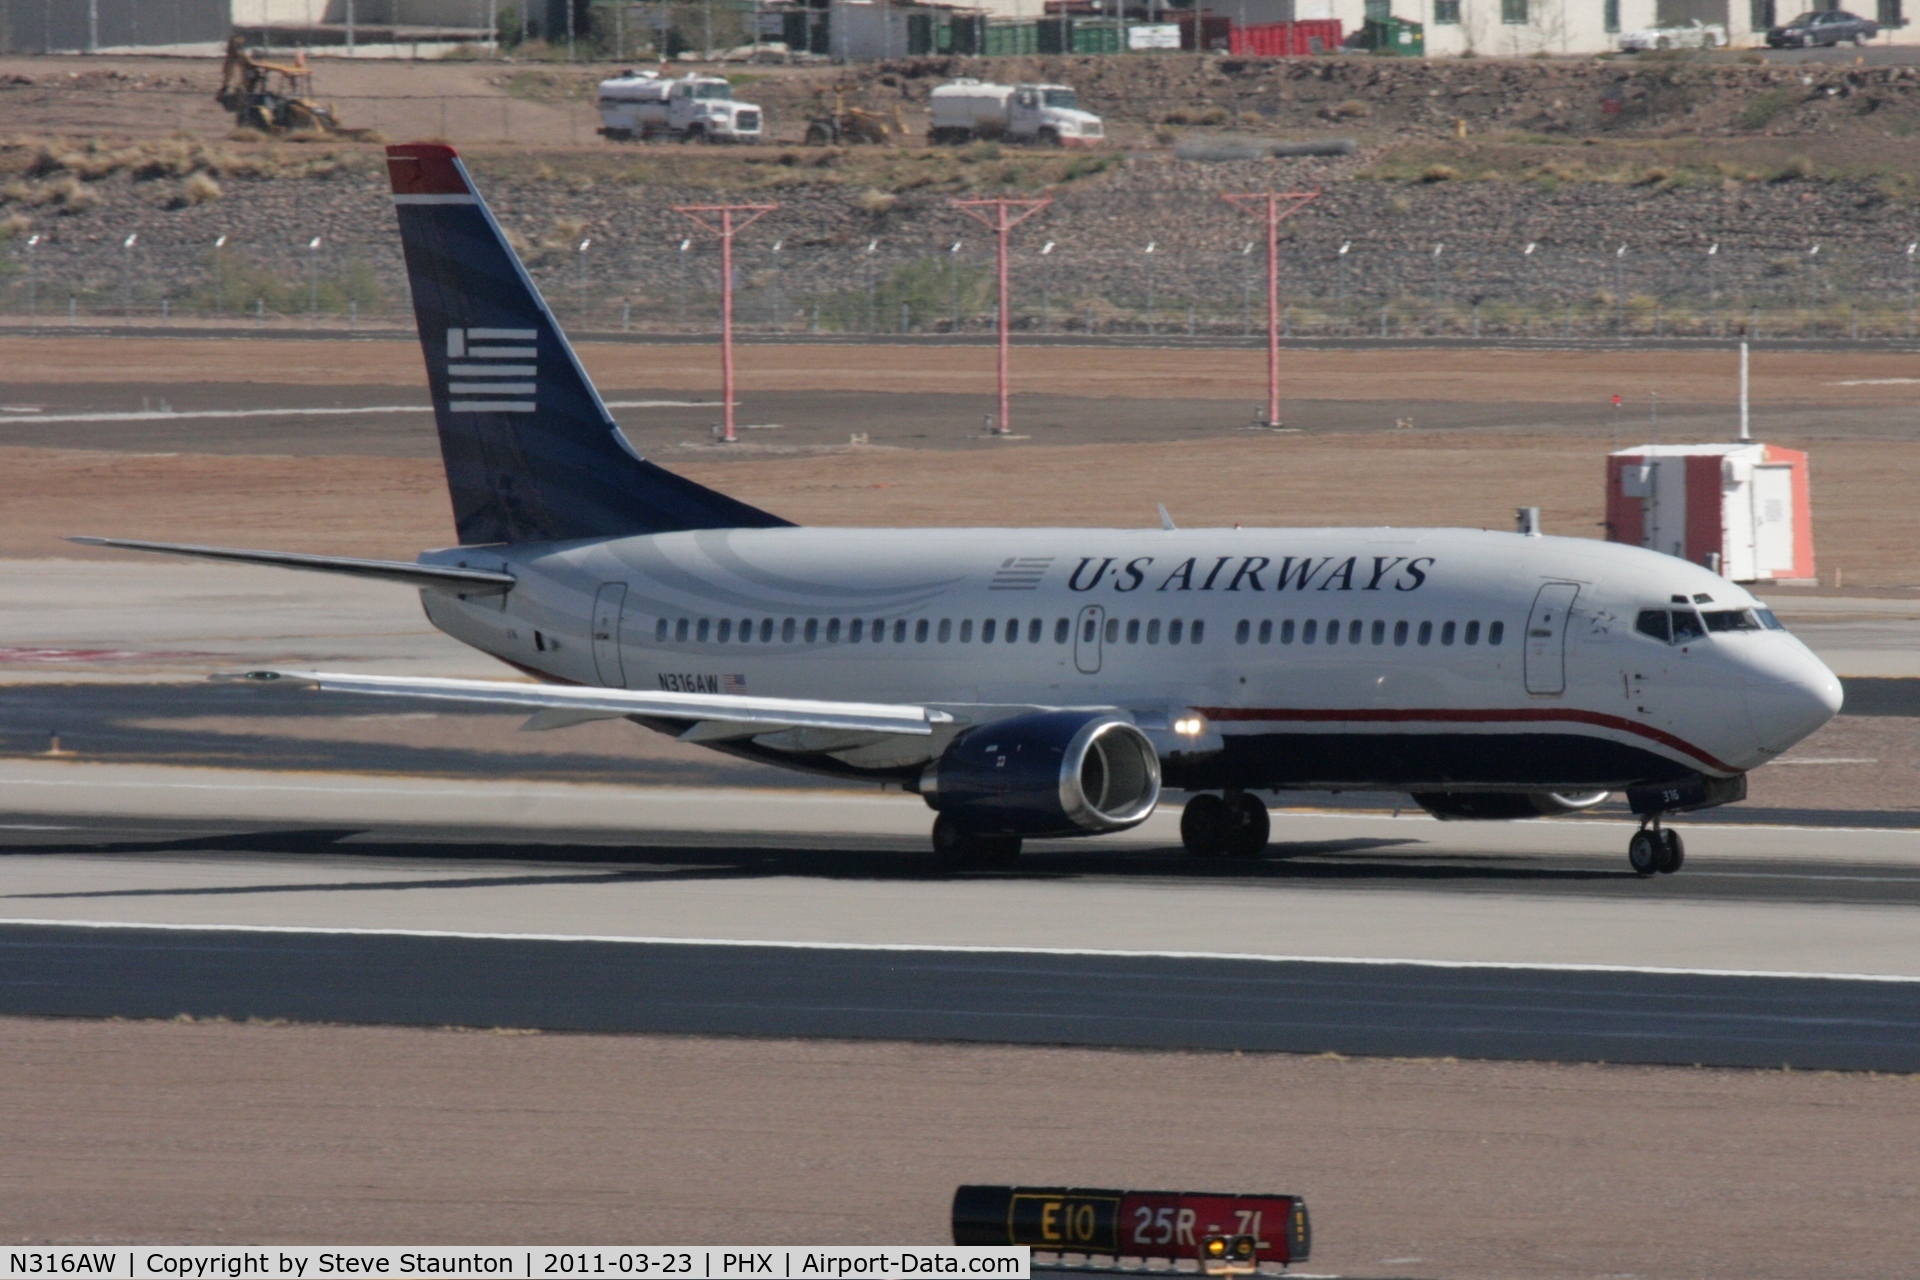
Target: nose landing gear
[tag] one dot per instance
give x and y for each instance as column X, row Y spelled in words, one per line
column 1233, row 825
column 1656, row 850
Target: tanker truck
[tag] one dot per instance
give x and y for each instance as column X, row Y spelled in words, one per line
column 692, row 108
column 1047, row 114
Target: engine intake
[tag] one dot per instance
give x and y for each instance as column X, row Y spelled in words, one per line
column 1495, row 806
column 1059, row 773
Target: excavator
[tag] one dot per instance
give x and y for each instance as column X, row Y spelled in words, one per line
column 274, row 97
column 844, row 124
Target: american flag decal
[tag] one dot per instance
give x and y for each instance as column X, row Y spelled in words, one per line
column 1020, row 573
column 484, row 376
column 733, row 684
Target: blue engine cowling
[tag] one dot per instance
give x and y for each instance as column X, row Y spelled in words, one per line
column 1048, row 773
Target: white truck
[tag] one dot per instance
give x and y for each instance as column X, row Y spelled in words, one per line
column 1047, row 114
column 692, row 108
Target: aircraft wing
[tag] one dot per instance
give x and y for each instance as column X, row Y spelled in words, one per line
column 714, row 716
column 474, row 582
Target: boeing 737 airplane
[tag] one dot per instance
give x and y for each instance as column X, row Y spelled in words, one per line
column 1047, row 682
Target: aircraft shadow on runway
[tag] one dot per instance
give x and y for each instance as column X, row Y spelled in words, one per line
column 1355, row 862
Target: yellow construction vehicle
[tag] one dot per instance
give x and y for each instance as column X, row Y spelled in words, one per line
column 843, row 124
column 274, row 97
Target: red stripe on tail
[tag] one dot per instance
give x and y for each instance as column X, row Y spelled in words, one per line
column 425, row 169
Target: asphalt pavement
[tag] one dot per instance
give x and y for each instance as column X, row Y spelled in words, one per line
column 1006, row 997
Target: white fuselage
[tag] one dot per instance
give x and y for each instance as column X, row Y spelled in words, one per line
column 1321, row 657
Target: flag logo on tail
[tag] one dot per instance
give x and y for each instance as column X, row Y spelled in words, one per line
column 492, row 370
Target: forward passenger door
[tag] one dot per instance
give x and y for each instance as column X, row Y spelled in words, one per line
column 1547, row 638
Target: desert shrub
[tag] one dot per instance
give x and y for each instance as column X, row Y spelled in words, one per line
column 1765, row 109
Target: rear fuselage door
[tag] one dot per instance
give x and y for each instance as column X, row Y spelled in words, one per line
column 608, row 605
column 1547, row 638
column 1086, row 639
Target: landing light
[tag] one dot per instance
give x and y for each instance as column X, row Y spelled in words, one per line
column 1189, row 726
column 1228, row 1255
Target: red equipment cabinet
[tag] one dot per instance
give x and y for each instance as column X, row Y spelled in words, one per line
column 1743, row 510
column 1288, row 39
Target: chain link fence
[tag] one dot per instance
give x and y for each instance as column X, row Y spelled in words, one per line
column 1334, row 288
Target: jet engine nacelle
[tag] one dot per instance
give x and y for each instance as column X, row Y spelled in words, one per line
column 1505, row 805
column 1047, row 773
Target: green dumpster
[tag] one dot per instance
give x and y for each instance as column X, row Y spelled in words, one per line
column 1009, row 39
column 1393, row 37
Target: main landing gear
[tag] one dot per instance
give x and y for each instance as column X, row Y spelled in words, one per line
column 956, row 848
column 1655, row 850
column 1234, row 825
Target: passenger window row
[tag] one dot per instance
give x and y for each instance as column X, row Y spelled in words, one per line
column 897, row 630
column 1354, row 631
column 1136, row 630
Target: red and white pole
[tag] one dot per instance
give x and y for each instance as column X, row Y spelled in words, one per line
column 1003, row 223
column 1005, row 426
column 726, row 322
column 1273, row 313
column 726, row 231
column 1271, row 204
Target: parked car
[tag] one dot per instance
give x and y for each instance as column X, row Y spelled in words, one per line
column 1693, row 35
column 1810, row 29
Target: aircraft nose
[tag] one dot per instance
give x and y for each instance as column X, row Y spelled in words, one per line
column 1802, row 699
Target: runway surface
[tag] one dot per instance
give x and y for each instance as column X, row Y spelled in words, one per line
column 677, row 910
column 1138, row 1001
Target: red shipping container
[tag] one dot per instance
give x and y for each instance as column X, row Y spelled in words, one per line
column 1288, row 39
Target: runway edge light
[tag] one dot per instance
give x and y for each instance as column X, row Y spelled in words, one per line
column 1225, row 1233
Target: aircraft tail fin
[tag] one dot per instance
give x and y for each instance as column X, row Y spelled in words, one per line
column 531, row 453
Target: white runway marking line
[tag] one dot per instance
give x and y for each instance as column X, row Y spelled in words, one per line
column 909, row 948
column 182, row 415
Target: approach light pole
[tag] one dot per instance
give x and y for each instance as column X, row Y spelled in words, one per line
column 1276, row 207
column 313, row 279
column 126, row 274
column 726, row 229
column 1046, row 286
column 33, row 283
column 1007, row 214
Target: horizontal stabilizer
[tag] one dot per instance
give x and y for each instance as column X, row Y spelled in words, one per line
column 764, row 714
column 475, row 582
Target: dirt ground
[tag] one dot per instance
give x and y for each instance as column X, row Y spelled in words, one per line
column 1494, row 376
column 213, row 1132
column 1865, row 519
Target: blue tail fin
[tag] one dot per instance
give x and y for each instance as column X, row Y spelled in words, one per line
column 531, row 452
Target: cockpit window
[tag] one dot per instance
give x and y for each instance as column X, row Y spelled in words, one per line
column 1679, row 626
column 1767, row 620
column 1731, row 620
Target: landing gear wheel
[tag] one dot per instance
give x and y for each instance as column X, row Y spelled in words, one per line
column 955, row 847
column 1207, row 826
column 1251, row 828
column 1673, row 852
column 1645, row 852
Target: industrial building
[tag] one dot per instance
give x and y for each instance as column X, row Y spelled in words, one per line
column 863, row 29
